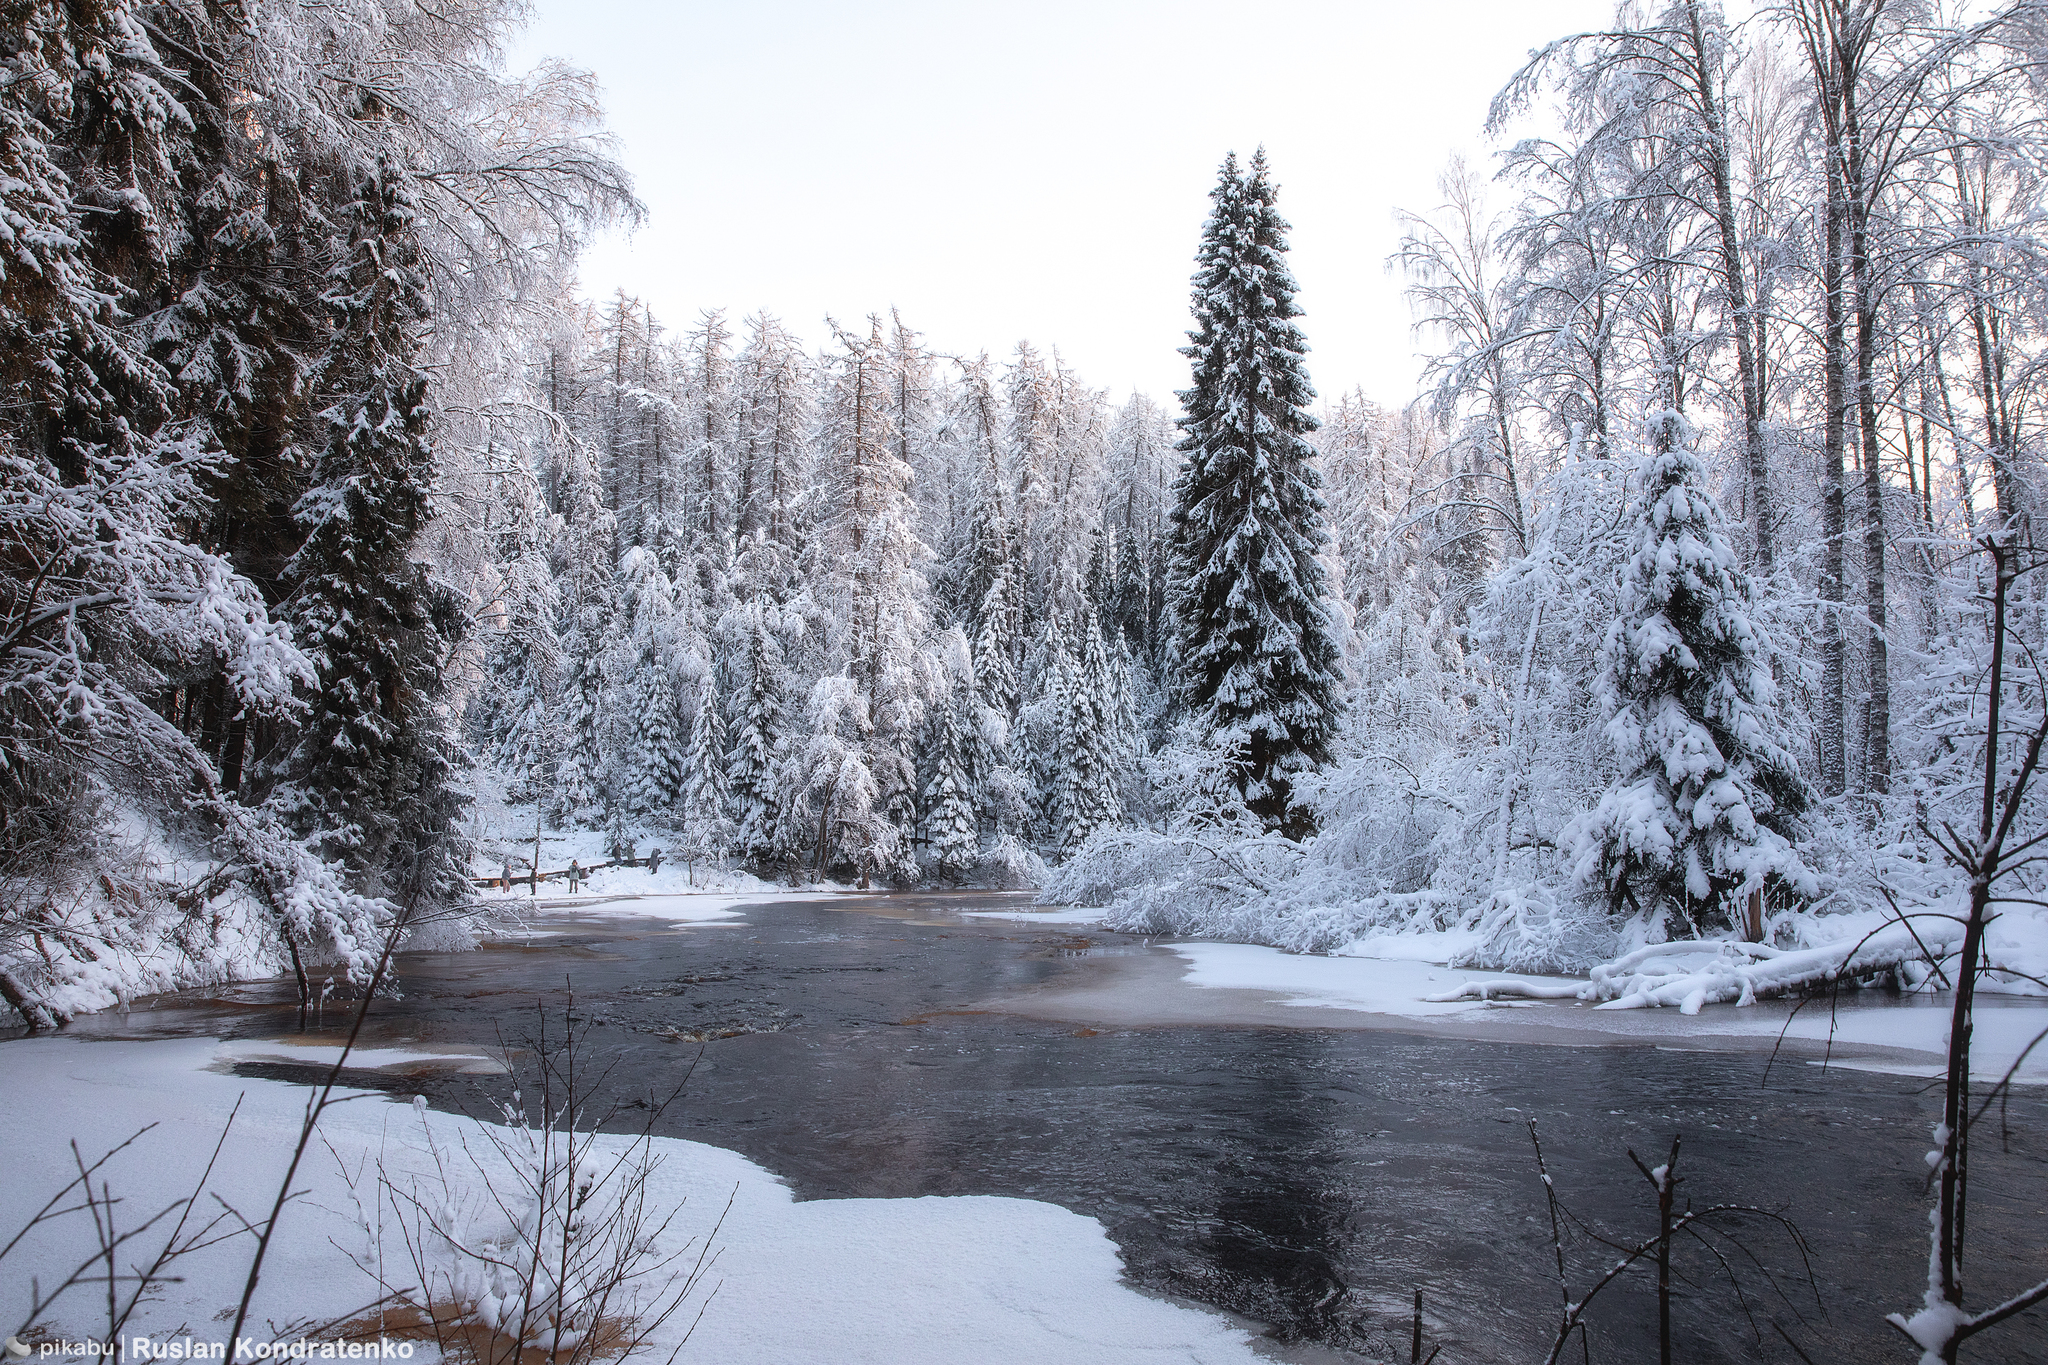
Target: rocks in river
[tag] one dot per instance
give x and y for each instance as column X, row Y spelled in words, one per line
column 707, row 1031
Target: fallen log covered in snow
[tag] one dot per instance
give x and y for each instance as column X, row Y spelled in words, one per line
column 1691, row 973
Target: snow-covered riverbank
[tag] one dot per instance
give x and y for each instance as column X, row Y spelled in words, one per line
column 1399, row 981
column 828, row 1282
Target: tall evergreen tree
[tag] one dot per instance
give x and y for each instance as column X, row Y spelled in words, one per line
column 952, row 825
column 757, row 748
column 372, row 774
column 1260, row 670
column 707, row 802
column 517, row 712
column 1093, row 744
column 658, row 755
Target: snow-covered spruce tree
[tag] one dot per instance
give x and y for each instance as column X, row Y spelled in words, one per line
column 657, row 753
column 952, row 825
column 1093, row 744
column 1260, row 671
column 829, row 811
column 877, row 589
column 370, row 779
column 1711, row 794
column 106, row 601
column 995, row 654
column 584, row 572
column 1037, row 741
column 757, row 744
column 516, row 713
column 707, row 799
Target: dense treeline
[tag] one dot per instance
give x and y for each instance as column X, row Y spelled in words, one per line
column 1658, row 614
column 238, row 240
column 873, row 611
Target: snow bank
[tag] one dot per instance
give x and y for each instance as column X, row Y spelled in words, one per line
column 931, row 1281
column 1411, row 987
column 1038, row 914
column 1692, row 973
column 520, row 910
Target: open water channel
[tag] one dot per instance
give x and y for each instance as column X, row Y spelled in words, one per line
column 1307, row 1169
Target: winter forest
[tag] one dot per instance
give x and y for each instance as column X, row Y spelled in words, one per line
column 1679, row 643
column 1664, row 610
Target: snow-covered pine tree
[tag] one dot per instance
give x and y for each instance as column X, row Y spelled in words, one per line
column 633, row 421
column 1038, row 740
column 516, row 713
column 584, row 571
column 707, row 802
column 1030, row 447
column 1060, row 540
column 1093, row 745
column 1140, row 467
column 105, row 599
column 829, row 813
column 772, row 424
column 757, row 748
column 952, row 825
column 223, row 299
column 877, row 584
column 708, row 407
column 657, row 752
column 1710, row 793
column 371, row 776
column 995, row 667
column 1260, row 671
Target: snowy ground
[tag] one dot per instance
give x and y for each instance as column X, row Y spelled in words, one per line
column 932, row 1281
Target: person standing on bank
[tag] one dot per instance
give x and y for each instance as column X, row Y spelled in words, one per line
column 575, row 876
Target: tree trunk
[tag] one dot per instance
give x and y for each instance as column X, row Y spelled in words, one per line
column 1734, row 285
column 1833, row 770
column 1877, row 752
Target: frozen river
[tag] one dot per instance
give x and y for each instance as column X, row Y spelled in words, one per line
column 1308, row 1168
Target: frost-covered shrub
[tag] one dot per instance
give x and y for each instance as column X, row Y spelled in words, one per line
column 538, row 1237
column 1173, row 883
column 1534, row 929
column 1007, row 863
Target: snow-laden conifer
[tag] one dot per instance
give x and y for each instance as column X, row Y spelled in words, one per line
column 756, row 753
column 371, row 777
column 1260, row 671
column 877, row 588
column 516, row 713
column 657, row 750
column 1093, row 744
column 1710, row 793
column 707, row 800
column 951, row 822
column 1037, row 739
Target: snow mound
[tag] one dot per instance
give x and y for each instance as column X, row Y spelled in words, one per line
column 1694, row 973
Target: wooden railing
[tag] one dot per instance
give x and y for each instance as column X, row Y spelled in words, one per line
column 528, row 878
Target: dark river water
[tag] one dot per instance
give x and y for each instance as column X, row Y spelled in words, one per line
column 1310, row 1179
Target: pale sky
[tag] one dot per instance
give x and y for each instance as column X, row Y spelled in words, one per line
column 1035, row 171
